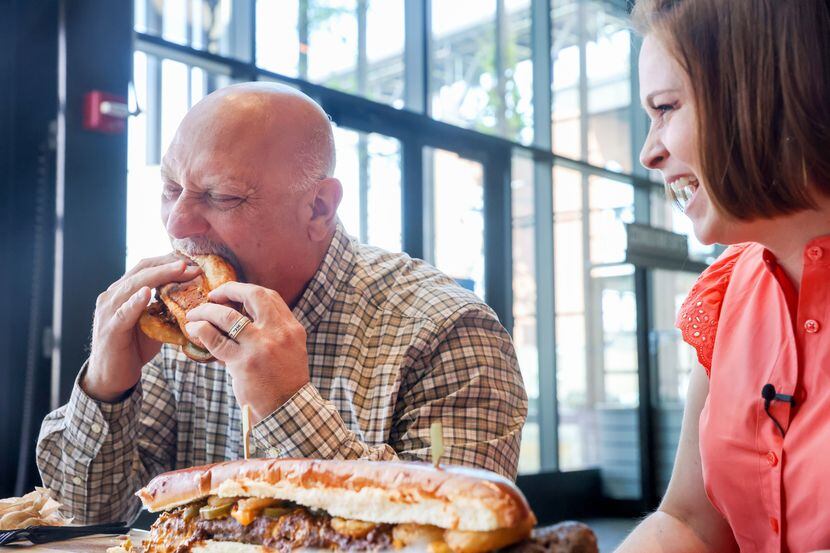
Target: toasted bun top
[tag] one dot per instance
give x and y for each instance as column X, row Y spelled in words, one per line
column 216, row 269
column 179, row 298
column 457, row 498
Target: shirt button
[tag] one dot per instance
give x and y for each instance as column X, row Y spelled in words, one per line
column 275, row 451
column 77, row 480
column 815, row 253
column 811, row 326
column 772, row 458
column 773, row 524
column 95, row 427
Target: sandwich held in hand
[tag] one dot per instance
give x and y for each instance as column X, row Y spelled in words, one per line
column 270, row 505
column 165, row 319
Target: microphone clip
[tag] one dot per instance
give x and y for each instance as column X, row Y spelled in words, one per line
column 769, row 395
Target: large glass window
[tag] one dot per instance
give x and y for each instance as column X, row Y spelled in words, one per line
column 351, row 45
column 456, row 189
column 369, row 166
column 482, row 72
column 596, row 329
column 216, row 26
column 591, row 83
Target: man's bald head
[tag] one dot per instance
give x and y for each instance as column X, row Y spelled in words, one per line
column 249, row 174
column 273, row 127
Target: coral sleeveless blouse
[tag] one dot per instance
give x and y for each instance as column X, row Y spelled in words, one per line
column 750, row 329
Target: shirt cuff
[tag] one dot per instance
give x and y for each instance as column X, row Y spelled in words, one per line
column 304, row 426
column 90, row 422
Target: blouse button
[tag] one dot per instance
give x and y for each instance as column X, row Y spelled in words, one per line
column 811, row 326
column 815, row 253
column 772, row 458
column 773, row 524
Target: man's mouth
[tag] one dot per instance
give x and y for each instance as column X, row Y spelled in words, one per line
column 683, row 190
column 204, row 246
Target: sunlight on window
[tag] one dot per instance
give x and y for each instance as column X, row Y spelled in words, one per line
column 458, row 192
column 481, row 66
column 369, row 167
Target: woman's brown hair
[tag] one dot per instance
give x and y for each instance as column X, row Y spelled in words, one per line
column 760, row 76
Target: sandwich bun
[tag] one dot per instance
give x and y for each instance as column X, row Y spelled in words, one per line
column 164, row 320
column 466, row 510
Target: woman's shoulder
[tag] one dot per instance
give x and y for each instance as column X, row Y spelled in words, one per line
column 698, row 316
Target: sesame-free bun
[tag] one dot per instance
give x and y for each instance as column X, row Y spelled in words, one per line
column 465, row 500
column 177, row 298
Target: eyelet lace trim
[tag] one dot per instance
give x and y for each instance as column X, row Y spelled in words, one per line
column 698, row 317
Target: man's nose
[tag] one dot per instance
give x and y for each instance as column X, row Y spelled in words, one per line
column 184, row 219
column 654, row 154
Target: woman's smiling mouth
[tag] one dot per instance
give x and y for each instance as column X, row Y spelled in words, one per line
column 683, row 189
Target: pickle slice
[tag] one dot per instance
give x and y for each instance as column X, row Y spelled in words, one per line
column 209, row 512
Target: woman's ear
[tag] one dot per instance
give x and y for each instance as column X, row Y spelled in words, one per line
column 324, row 203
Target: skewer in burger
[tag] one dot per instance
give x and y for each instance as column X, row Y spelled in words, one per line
column 278, row 505
column 164, row 319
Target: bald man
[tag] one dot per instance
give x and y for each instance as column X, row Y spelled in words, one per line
column 352, row 352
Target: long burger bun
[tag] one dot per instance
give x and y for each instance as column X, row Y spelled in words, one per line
column 454, row 498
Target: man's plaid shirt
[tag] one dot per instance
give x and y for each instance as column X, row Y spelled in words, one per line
column 393, row 346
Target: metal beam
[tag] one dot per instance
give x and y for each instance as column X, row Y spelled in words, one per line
column 498, row 255
column 416, row 54
column 648, row 463
column 544, row 237
column 412, row 198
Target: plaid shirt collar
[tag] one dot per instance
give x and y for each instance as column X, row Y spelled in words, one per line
column 334, row 271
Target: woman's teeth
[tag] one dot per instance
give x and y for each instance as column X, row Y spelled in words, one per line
column 683, row 189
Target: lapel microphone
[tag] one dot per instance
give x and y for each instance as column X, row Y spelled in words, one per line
column 769, row 395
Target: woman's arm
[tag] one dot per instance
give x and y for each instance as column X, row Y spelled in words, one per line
column 685, row 522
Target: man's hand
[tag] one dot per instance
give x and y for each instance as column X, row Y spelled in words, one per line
column 268, row 360
column 119, row 348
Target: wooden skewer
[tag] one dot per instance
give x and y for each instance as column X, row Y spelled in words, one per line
column 246, row 430
column 436, row 435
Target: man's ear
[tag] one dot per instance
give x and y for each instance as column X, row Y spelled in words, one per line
column 324, row 204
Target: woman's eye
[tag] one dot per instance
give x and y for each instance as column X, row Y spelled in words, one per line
column 664, row 108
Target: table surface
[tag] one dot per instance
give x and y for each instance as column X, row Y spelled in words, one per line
column 91, row 544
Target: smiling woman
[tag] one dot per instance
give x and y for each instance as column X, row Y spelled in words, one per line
column 756, row 98
column 736, row 93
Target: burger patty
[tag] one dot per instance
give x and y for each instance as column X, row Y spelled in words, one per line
column 159, row 309
column 186, row 295
column 298, row 528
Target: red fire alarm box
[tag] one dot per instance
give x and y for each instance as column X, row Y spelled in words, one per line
column 104, row 112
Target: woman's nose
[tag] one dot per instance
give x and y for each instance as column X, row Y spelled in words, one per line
column 654, row 154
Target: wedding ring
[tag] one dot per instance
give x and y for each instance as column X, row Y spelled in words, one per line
column 238, row 326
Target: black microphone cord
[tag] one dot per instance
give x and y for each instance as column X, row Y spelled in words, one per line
column 769, row 395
